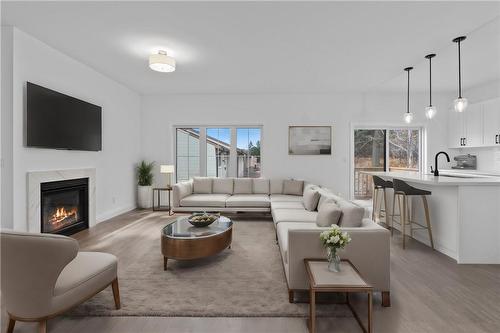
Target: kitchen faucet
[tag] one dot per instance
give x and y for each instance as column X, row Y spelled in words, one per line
column 436, row 171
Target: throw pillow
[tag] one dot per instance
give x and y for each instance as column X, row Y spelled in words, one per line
column 293, row 187
column 276, row 186
column 328, row 214
column 260, row 186
column 202, row 185
column 243, row 186
column 222, row 186
column 311, row 198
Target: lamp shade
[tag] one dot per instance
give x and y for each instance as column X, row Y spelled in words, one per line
column 167, row 168
column 161, row 62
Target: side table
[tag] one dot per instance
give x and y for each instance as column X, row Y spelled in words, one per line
column 348, row 280
column 157, row 193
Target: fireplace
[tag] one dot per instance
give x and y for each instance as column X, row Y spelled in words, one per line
column 64, row 206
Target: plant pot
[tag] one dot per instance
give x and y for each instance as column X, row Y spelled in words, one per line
column 144, row 196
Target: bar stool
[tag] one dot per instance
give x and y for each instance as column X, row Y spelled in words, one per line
column 379, row 185
column 402, row 191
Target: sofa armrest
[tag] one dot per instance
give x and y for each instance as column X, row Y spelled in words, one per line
column 181, row 190
column 369, row 251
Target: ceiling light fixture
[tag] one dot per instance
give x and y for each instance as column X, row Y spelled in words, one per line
column 408, row 116
column 460, row 102
column 161, row 62
column 431, row 110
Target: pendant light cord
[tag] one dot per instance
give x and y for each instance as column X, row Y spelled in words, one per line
column 459, row 73
column 430, row 81
column 408, row 94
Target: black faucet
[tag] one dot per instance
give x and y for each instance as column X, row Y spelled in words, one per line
column 436, row 171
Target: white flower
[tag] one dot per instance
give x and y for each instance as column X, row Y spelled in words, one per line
column 335, row 239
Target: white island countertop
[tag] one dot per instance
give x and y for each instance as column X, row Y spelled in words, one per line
column 446, row 178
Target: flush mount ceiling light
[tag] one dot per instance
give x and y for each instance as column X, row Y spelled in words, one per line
column 431, row 110
column 460, row 103
column 408, row 116
column 161, row 62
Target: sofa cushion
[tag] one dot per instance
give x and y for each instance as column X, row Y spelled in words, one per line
column 276, row 186
column 205, row 200
column 287, row 205
column 222, row 185
column 243, row 186
column 202, row 185
column 285, row 197
column 352, row 215
column 293, row 215
column 311, row 198
column 260, row 186
column 248, row 200
column 329, row 213
column 293, row 187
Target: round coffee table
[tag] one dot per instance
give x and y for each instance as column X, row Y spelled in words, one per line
column 182, row 241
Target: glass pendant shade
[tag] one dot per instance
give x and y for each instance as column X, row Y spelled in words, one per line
column 430, row 112
column 461, row 104
column 408, row 117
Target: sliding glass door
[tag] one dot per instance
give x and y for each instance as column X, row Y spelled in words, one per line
column 384, row 149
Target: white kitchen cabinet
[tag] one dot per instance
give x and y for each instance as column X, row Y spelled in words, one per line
column 456, row 130
column 491, row 122
column 473, row 126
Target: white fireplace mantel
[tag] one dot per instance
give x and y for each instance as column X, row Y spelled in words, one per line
column 35, row 178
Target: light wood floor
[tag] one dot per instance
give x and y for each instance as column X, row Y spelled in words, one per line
column 430, row 293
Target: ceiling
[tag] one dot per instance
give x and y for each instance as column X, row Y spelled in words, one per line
column 270, row 47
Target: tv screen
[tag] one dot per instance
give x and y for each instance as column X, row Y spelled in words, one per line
column 55, row 120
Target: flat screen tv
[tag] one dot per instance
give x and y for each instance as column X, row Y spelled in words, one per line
column 55, row 120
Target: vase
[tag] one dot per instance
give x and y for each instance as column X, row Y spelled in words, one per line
column 333, row 260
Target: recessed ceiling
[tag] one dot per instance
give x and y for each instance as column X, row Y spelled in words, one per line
column 267, row 47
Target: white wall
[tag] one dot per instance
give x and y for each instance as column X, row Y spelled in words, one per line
column 276, row 113
column 36, row 62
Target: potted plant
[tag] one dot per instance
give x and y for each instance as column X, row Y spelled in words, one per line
column 334, row 239
column 144, row 184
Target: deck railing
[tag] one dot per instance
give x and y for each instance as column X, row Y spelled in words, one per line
column 363, row 183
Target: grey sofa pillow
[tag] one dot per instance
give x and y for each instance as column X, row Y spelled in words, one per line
column 243, row 186
column 329, row 213
column 260, row 186
column 202, row 185
column 276, row 186
column 311, row 198
column 293, row 187
column 222, row 185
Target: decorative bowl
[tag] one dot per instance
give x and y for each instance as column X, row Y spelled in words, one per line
column 200, row 220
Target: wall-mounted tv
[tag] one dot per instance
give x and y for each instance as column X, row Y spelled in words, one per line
column 55, row 120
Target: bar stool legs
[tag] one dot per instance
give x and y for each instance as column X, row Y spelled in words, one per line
column 428, row 219
column 376, row 207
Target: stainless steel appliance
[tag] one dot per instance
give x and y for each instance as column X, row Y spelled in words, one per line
column 467, row 162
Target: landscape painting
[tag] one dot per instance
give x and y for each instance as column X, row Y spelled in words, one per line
column 310, row 140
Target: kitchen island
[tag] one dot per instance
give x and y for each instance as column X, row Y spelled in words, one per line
column 464, row 211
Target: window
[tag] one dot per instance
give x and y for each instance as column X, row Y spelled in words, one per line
column 225, row 151
column 218, row 150
column 248, row 152
column 393, row 149
column 188, row 153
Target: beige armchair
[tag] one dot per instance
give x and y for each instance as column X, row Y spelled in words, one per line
column 44, row 275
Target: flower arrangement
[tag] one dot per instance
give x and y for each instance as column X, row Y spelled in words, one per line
column 334, row 239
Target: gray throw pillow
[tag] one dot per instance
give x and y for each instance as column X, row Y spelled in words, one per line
column 328, row 214
column 293, row 187
column 311, row 198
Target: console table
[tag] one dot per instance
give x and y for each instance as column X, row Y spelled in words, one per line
column 348, row 280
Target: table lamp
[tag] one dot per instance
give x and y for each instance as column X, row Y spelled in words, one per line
column 169, row 170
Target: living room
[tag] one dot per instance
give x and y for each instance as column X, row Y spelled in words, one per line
column 277, row 119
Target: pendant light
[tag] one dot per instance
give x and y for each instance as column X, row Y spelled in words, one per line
column 460, row 103
column 408, row 116
column 431, row 110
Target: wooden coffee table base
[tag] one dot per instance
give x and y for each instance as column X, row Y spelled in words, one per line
column 194, row 248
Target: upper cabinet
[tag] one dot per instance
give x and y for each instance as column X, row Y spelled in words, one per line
column 478, row 126
column 491, row 114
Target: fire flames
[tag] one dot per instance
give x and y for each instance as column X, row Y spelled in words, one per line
column 63, row 215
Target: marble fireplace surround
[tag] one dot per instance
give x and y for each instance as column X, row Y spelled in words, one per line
column 35, row 178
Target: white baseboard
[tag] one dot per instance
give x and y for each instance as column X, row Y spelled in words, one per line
column 112, row 213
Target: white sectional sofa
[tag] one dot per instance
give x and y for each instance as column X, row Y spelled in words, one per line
column 296, row 228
